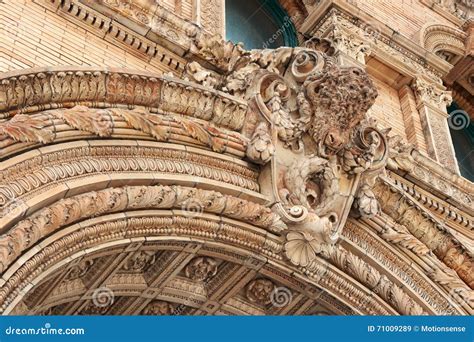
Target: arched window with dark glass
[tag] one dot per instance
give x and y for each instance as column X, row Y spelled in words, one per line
column 462, row 134
column 259, row 24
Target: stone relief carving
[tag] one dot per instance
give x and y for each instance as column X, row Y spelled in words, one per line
column 79, row 270
column 139, row 261
column 425, row 228
column 27, row 129
column 463, row 9
column 310, row 115
column 359, row 38
column 260, row 149
column 201, row 268
column 158, row 308
column 259, row 291
column 39, row 128
column 315, row 110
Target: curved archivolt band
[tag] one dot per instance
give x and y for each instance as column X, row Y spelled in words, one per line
column 64, row 243
column 227, row 239
column 440, row 38
column 131, row 159
column 47, row 88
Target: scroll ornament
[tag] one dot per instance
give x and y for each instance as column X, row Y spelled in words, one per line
column 312, row 139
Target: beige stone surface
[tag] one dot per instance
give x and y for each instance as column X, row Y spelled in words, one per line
column 245, row 182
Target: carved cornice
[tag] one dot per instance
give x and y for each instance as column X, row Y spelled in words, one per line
column 29, row 131
column 432, row 177
column 402, row 208
column 400, row 265
column 456, row 11
column 310, row 135
column 378, row 39
column 460, row 219
column 154, row 33
column 45, row 88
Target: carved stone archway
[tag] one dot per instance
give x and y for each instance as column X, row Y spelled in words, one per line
column 262, row 173
column 447, row 42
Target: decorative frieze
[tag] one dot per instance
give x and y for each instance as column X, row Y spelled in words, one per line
column 28, row 91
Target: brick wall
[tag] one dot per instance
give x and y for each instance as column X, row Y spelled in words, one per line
column 405, row 16
column 387, row 108
column 33, row 36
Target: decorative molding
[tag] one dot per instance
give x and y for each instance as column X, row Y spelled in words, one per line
column 425, row 227
column 337, row 19
column 27, row 177
column 42, row 128
column 431, row 176
column 38, row 89
column 24, row 234
column 447, row 42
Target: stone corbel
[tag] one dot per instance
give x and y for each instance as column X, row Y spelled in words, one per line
column 319, row 155
column 307, row 127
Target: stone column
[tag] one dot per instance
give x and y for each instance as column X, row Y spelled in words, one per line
column 431, row 102
column 411, row 118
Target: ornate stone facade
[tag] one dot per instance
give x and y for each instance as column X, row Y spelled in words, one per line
column 243, row 182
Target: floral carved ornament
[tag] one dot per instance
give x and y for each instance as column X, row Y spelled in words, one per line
column 319, row 154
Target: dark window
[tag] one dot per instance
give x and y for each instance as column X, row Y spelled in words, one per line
column 462, row 133
column 259, row 24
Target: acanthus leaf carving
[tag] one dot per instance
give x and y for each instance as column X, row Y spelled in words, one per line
column 260, row 149
column 398, row 234
column 99, row 122
column 24, row 128
column 145, row 122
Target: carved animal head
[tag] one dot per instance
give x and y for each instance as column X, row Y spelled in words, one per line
column 340, row 97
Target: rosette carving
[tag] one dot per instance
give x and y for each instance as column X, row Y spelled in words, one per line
column 201, row 268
